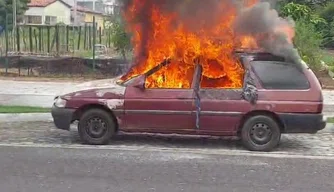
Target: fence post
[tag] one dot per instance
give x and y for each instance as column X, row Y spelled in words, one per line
column 90, row 35
column 40, row 38
column 67, row 37
column 109, row 38
column 7, row 43
column 85, row 37
column 79, row 38
column 48, row 41
column 35, row 37
column 94, row 41
column 57, row 39
column 30, row 39
column 18, row 38
column 100, row 35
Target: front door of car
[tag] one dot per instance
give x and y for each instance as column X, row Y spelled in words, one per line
column 160, row 109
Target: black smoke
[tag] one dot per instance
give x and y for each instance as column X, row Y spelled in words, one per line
column 260, row 21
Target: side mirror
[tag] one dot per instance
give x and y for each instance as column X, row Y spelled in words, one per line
column 139, row 85
column 139, row 82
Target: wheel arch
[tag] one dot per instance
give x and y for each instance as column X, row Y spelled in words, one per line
column 262, row 112
column 80, row 111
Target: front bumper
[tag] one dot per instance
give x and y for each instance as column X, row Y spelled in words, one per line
column 62, row 117
column 302, row 123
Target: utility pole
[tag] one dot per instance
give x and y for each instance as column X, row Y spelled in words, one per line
column 14, row 14
column 14, row 22
column 75, row 13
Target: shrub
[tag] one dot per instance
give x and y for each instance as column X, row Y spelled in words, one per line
column 308, row 41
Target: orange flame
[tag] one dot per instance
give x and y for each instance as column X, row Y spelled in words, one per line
column 213, row 46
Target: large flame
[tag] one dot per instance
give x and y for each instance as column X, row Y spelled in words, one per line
column 212, row 47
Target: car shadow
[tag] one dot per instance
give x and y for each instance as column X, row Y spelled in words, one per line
column 186, row 141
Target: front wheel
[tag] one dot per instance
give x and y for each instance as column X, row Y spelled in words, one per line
column 96, row 127
column 260, row 133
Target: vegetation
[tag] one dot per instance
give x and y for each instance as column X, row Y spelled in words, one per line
column 23, row 109
column 314, row 28
column 330, row 120
column 6, row 6
column 119, row 36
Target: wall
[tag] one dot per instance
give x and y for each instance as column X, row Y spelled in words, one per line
column 99, row 19
column 60, row 10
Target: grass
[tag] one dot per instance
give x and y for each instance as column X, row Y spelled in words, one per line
column 328, row 58
column 330, row 120
column 23, row 109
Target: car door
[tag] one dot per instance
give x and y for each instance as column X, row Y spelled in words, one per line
column 159, row 109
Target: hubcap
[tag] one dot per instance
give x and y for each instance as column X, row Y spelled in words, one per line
column 96, row 127
column 260, row 133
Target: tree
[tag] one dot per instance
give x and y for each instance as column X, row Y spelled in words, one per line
column 6, row 6
column 308, row 41
column 120, row 38
column 302, row 12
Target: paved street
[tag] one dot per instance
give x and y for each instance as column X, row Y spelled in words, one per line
column 36, row 157
column 76, row 170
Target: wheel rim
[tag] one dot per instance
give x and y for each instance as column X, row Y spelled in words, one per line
column 260, row 133
column 96, row 127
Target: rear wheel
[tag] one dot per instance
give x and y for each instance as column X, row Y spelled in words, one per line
column 96, row 127
column 260, row 133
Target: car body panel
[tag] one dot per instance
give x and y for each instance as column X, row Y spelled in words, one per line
column 198, row 110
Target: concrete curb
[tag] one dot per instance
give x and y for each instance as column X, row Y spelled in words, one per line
column 25, row 117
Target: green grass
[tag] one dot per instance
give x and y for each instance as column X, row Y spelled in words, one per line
column 328, row 58
column 330, row 120
column 23, row 109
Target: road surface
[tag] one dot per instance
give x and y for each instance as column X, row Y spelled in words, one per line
column 36, row 157
column 39, row 169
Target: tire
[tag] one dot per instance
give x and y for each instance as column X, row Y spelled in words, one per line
column 96, row 127
column 260, row 133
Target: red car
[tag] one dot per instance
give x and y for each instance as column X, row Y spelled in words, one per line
column 277, row 97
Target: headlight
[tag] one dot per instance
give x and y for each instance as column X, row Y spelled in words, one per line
column 59, row 102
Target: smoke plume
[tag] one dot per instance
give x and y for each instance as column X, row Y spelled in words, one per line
column 272, row 33
column 253, row 18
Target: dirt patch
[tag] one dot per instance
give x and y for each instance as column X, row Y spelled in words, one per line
column 326, row 81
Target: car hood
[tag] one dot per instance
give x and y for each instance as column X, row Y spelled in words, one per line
column 106, row 88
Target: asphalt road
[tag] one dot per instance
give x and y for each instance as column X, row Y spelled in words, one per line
column 44, row 169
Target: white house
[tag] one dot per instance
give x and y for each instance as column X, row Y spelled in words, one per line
column 47, row 12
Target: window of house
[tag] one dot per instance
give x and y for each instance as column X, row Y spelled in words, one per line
column 50, row 20
column 32, row 19
column 280, row 75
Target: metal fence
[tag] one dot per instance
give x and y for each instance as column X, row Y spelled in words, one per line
column 58, row 50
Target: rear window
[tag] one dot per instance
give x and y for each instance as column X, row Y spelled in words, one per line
column 280, row 75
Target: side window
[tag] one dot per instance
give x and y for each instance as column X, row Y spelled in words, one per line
column 280, row 75
column 171, row 76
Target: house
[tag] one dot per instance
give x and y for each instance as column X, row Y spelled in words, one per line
column 47, row 12
column 85, row 16
column 109, row 7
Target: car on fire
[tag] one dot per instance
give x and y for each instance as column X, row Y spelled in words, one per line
column 277, row 98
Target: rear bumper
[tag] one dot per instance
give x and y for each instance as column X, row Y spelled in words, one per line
column 62, row 117
column 302, row 123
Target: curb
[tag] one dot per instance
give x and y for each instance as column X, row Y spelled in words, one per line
column 25, row 117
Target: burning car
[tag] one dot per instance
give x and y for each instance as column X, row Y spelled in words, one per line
column 274, row 97
column 188, row 77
